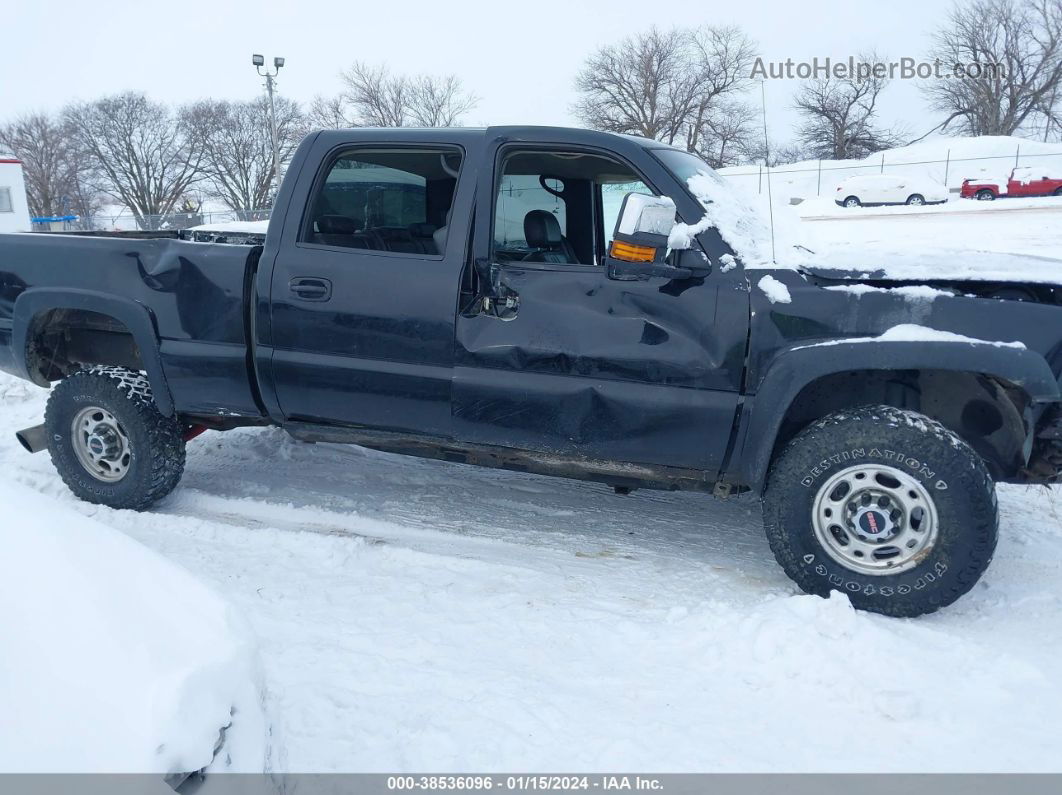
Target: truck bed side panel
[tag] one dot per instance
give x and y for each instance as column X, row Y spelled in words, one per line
column 193, row 292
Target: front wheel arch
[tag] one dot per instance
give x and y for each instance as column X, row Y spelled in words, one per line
column 799, row 369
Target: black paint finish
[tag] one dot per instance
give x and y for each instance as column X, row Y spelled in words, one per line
column 659, row 382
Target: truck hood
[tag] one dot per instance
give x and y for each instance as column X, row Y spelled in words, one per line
column 936, row 265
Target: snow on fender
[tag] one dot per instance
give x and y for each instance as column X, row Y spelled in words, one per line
column 112, row 658
column 776, row 291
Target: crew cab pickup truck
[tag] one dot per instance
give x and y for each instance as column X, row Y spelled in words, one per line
column 1023, row 182
column 554, row 301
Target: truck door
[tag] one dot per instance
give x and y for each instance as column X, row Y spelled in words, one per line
column 364, row 288
column 580, row 364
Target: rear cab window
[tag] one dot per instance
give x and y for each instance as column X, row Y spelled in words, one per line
column 385, row 200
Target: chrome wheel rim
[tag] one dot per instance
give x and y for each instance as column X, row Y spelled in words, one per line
column 875, row 519
column 917, row 201
column 101, row 444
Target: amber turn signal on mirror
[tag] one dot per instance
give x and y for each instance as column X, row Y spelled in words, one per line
column 631, row 252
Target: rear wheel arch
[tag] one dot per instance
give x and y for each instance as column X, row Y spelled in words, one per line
column 59, row 331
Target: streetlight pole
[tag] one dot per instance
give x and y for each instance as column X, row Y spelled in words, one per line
column 270, row 84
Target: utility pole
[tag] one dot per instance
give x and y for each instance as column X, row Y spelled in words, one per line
column 270, row 84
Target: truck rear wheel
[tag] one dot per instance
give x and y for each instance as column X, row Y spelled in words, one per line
column 109, row 442
column 885, row 505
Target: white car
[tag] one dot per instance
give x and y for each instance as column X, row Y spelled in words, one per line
column 879, row 189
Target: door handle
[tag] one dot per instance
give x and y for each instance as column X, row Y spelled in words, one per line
column 311, row 288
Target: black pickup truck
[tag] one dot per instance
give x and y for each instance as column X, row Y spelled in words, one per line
column 553, row 301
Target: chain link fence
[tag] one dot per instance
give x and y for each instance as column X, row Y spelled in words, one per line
column 125, row 221
column 805, row 181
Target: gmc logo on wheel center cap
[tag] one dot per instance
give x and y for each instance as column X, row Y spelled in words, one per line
column 872, row 522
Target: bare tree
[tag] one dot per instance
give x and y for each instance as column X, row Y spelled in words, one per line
column 779, row 154
column 664, row 85
column 840, row 115
column 642, row 86
column 1015, row 47
column 374, row 97
column 51, row 165
column 237, row 147
column 328, row 113
column 730, row 134
column 722, row 59
column 144, row 155
column 438, row 101
column 1049, row 121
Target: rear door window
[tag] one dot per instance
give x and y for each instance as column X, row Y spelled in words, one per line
column 394, row 200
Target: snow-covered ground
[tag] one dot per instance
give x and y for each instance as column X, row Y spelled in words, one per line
column 1006, row 239
column 945, row 160
column 420, row 615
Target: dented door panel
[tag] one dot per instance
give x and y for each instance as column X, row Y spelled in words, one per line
column 643, row 372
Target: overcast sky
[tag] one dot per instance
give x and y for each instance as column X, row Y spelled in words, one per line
column 519, row 58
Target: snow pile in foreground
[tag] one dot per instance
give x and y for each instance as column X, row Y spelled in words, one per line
column 424, row 615
column 113, row 659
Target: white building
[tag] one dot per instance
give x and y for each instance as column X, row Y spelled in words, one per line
column 14, row 210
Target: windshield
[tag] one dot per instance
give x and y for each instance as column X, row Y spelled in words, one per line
column 685, row 165
column 758, row 237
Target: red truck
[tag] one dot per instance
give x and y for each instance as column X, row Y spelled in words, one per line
column 1023, row 182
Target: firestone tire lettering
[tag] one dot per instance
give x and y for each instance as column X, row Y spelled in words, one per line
column 961, row 487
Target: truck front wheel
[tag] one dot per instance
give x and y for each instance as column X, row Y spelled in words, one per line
column 885, row 505
column 108, row 440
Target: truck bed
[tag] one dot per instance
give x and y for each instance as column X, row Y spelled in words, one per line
column 194, row 295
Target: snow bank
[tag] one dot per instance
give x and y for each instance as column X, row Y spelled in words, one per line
column 113, row 659
column 947, row 160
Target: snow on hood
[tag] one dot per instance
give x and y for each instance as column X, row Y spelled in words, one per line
column 745, row 221
column 957, row 265
column 113, row 659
